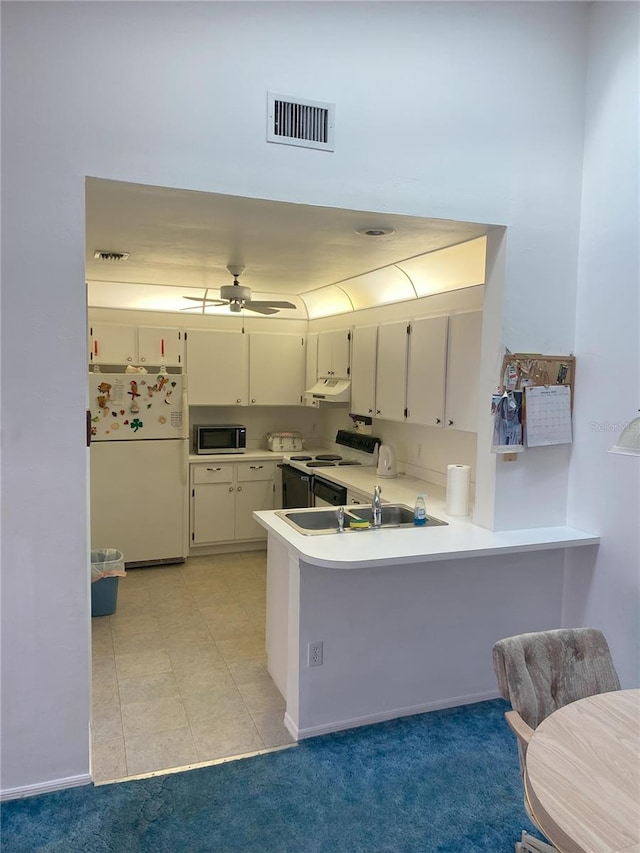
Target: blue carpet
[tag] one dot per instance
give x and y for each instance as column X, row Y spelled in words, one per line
column 442, row 782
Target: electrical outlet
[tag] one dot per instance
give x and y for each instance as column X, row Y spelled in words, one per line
column 315, row 654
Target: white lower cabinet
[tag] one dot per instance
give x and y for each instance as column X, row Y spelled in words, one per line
column 223, row 497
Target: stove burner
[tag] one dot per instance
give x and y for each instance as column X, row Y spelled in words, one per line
column 328, row 457
column 349, row 462
column 300, row 458
column 320, row 465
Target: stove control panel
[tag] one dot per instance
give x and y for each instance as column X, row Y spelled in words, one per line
column 357, row 441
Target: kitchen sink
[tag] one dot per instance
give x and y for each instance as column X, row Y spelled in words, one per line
column 312, row 522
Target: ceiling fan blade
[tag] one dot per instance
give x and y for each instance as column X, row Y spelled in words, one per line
column 259, row 308
column 206, row 301
column 269, row 303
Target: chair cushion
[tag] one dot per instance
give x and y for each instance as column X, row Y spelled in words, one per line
column 546, row 670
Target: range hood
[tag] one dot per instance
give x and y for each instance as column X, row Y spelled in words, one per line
column 330, row 390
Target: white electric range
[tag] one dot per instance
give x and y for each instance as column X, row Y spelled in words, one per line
column 302, row 481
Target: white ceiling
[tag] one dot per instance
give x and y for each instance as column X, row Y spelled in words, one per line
column 185, row 238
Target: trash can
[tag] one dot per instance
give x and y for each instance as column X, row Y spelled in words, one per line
column 107, row 566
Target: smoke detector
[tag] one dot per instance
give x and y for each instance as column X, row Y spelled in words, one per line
column 375, row 231
column 101, row 255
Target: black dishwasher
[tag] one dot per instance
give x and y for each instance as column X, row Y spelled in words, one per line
column 296, row 488
column 328, row 494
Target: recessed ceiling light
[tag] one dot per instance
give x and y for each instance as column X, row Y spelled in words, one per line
column 375, row 232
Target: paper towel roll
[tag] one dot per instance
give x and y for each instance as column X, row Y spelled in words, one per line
column 458, row 481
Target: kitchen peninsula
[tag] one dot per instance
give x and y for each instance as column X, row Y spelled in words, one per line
column 369, row 625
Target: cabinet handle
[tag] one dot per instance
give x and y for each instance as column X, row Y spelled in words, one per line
column 377, row 411
column 371, row 411
column 239, row 488
column 256, row 467
column 230, row 488
column 129, row 358
column 450, row 423
column 238, row 400
column 438, row 420
column 143, row 359
column 214, row 469
column 253, row 399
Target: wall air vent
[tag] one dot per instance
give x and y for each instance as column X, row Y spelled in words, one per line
column 293, row 121
column 100, row 255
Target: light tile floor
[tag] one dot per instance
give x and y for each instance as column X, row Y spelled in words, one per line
column 179, row 670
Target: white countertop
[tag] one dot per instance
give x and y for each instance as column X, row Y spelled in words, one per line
column 391, row 546
column 356, row 549
column 245, row 456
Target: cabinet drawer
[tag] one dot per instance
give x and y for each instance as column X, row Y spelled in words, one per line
column 258, row 470
column 211, row 473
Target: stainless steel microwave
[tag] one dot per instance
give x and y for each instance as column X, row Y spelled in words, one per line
column 219, row 438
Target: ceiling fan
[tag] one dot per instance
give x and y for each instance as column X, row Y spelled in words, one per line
column 238, row 296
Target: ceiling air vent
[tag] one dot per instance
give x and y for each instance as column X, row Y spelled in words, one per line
column 100, row 255
column 292, row 121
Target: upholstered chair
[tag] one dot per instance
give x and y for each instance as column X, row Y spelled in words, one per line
column 541, row 672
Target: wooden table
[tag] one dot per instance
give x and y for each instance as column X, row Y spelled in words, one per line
column 582, row 775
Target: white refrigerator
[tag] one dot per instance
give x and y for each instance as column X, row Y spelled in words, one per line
column 139, row 463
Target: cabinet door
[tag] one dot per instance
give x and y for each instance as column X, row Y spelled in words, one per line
column 391, row 372
column 252, row 496
column 333, row 354
column 463, row 371
column 311, row 366
column 426, row 371
column 113, row 344
column 158, row 346
column 212, row 513
column 276, row 369
column 217, row 368
column 363, row 370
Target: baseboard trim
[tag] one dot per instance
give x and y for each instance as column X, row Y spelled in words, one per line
column 45, row 787
column 369, row 719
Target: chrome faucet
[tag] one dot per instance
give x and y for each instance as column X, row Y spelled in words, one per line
column 376, row 508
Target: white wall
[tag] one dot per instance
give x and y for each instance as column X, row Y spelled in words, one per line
column 468, row 111
column 604, row 488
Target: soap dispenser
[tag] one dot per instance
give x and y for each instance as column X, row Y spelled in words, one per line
column 420, row 511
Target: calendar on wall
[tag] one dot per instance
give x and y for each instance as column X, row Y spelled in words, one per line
column 545, row 383
column 548, row 415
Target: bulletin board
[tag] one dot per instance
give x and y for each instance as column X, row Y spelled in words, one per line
column 536, row 403
column 525, row 368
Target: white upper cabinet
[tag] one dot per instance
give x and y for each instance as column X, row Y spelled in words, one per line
column 391, row 373
column 217, row 368
column 463, row 371
column 161, row 346
column 144, row 345
column 363, row 370
column 333, row 354
column 276, row 369
column 426, row 371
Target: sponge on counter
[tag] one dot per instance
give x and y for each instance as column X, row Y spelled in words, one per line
column 358, row 523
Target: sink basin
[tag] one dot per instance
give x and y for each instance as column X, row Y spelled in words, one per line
column 312, row 522
column 392, row 514
column 395, row 515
